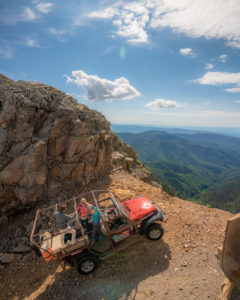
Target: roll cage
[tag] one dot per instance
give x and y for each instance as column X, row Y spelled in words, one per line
column 46, row 235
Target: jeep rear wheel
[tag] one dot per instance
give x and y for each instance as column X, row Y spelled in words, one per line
column 87, row 264
column 154, row 232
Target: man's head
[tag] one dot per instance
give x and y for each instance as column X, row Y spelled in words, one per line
column 61, row 208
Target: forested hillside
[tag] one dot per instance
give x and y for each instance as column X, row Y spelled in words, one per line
column 189, row 164
column 225, row 194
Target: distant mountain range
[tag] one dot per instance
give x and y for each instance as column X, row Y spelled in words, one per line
column 235, row 132
column 198, row 166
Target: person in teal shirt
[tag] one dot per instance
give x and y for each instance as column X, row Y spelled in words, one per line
column 96, row 224
column 96, row 216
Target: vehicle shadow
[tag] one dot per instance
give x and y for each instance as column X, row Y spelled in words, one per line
column 116, row 278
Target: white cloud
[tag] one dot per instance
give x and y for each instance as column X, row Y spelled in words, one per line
column 233, row 90
column 221, row 78
column 8, row 17
column 223, row 58
column 107, row 13
column 100, row 89
column 187, row 51
column 56, row 32
column 130, row 19
column 44, row 7
column 6, row 51
column 237, row 101
column 162, row 103
column 205, row 18
column 235, row 44
column 210, row 19
column 209, row 66
column 27, row 15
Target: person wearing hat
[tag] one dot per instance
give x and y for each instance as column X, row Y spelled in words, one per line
column 83, row 213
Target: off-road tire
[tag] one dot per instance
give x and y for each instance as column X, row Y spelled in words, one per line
column 154, row 232
column 87, row 264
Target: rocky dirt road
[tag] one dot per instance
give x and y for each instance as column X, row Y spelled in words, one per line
column 180, row 266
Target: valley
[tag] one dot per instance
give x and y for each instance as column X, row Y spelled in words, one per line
column 199, row 166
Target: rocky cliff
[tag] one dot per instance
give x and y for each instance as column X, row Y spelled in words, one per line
column 50, row 145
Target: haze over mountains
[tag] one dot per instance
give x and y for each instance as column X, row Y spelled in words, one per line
column 196, row 165
column 234, row 132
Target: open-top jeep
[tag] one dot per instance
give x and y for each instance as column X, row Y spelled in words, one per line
column 121, row 223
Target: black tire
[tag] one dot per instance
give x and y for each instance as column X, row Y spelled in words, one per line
column 154, row 232
column 87, row 264
column 36, row 250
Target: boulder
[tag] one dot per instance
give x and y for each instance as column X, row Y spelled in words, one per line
column 8, row 258
column 120, row 147
column 21, row 249
column 129, row 163
column 118, row 159
column 229, row 258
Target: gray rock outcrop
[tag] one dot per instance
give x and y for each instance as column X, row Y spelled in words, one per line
column 50, row 145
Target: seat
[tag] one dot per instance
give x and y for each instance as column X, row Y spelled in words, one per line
column 58, row 240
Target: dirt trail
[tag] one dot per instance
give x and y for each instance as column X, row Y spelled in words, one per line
column 180, row 266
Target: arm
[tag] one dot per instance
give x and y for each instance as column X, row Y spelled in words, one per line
column 67, row 217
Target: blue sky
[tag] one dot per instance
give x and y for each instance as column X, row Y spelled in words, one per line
column 161, row 63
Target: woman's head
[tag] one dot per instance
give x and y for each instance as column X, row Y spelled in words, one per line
column 83, row 200
column 90, row 207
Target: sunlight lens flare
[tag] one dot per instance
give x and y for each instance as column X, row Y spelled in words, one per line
column 122, row 52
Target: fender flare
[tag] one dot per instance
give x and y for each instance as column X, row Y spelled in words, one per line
column 146, row 223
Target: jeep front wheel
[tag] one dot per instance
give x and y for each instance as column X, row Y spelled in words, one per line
column 87, row 264
column 154, row 232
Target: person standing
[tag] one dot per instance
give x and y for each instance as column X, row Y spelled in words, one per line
column 96, row 224
column 83, row 213
column 62, row 218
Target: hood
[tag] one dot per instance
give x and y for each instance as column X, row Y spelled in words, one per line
column 138, row 208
